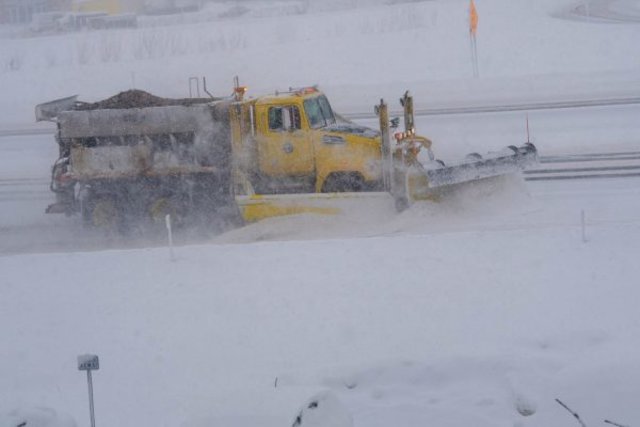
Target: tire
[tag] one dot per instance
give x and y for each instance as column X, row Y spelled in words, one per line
column 101, row 212
column 402, row 204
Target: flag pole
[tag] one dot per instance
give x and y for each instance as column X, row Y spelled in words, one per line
column 474, row 55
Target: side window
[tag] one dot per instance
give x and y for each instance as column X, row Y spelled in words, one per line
column 294, row 118
column 284, row 118
column 275, row 118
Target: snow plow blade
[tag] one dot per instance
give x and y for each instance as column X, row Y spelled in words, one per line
column 408, row 178
column 512, row 159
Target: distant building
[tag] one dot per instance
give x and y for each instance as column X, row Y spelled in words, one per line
column 112, row 7
column 21, row 11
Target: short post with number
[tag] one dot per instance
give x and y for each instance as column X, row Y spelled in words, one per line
column 89, row 362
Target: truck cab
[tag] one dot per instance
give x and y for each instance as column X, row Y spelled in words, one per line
column 300, row 145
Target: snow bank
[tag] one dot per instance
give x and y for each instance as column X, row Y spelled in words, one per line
column 443, row 326
column 35, row 417
column 274, row 407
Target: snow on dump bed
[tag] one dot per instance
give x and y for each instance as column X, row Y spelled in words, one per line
column 135, row 98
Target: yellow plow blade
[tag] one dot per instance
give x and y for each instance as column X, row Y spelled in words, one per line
column 261, row 206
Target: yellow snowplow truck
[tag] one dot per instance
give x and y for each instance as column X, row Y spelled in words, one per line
column 234, row 159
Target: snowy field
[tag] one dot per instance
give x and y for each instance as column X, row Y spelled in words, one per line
column 480, row 310
column 364, row 50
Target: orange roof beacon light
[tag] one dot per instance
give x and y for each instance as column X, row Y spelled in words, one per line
column 239, row 92
column 303, row 90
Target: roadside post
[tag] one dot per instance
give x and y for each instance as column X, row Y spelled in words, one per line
column 167, row 222
column 89, row 362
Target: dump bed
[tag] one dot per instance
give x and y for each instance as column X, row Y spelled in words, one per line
column 136, row 155
column 151, row 141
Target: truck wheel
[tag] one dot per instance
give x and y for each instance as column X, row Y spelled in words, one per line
column 105, row 213
column 162, row 207
column 85, row 213
column 402, row 204
column 343, row 182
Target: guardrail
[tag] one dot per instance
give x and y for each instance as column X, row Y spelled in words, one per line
column 530, row 106
column 586, row 166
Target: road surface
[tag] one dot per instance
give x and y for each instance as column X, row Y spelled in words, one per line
column 591, row 142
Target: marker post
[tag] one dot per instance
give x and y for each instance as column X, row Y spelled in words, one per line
column 89, row 362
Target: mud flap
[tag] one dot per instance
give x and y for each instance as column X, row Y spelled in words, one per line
column 59, row 208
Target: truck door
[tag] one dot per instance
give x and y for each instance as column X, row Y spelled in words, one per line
column 284, row 149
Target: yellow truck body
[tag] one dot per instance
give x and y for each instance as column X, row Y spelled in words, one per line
column 293, row 142
column 136, row 156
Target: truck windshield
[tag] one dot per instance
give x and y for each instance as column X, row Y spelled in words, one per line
column 319, row 112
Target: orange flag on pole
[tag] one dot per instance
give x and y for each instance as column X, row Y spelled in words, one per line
column 473, row 18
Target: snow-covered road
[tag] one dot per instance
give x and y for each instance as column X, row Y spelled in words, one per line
column 25, row 163
column 612, row 11
column 495, row 205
